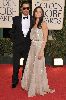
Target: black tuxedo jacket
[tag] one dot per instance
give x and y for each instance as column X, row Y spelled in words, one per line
column 17, row 35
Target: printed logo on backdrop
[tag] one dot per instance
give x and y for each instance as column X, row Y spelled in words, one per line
column 8, row 9
column 53, row 12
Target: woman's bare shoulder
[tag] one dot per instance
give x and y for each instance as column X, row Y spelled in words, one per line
column 44, row 25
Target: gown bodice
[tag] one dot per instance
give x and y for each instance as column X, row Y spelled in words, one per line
column 36, row 34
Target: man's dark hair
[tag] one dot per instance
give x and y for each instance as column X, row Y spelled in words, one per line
column 25, row 2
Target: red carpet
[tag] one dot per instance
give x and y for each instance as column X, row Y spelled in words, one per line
column 57, row 80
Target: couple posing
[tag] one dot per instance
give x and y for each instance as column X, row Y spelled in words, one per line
column 29, row 39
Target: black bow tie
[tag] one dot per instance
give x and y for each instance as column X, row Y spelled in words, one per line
column 25, row 17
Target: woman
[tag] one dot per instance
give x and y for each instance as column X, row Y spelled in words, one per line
column 35, row 77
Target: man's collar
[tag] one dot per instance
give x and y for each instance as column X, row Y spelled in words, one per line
column 24, row 15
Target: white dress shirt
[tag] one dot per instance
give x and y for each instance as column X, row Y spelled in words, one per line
column 25, row 24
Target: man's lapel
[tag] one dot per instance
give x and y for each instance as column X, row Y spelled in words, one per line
column 20, row 22
column 30, row 21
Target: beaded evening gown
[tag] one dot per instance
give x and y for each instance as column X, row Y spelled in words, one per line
column 34, row 79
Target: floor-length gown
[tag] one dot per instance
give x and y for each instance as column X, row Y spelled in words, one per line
column 34, row 79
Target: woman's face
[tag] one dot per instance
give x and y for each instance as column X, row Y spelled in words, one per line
column 38, row 13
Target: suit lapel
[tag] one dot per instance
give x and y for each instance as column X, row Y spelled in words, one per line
column 20, row 22
column 30, row 21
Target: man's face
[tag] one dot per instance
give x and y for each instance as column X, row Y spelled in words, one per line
column 25, row 9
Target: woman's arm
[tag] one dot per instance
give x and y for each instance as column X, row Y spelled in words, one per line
column 45, row 35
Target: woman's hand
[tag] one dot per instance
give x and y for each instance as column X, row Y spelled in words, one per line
column 40, row 54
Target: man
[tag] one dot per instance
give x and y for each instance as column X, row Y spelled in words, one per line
column 21, row 40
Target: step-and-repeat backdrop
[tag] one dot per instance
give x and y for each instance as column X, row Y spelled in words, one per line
column 8, row 9
column 53, row 12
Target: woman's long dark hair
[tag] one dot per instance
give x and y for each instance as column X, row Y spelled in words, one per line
column 40, row 19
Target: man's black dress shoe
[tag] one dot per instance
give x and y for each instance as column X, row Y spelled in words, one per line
column 15, row 84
